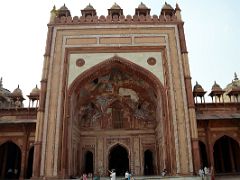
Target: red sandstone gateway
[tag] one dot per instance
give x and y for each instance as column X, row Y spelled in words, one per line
column 116, row 93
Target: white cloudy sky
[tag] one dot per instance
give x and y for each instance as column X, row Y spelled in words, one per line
column 212, row 30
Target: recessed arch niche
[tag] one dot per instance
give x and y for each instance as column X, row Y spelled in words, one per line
column 115, row 94
column 110, row 86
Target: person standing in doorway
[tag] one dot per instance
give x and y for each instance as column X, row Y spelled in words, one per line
column 113, row 174
column 126, row 175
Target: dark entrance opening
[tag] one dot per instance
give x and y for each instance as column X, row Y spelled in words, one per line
column 226, row 155
column 30, row 163
column 10, row 161
column 203, row 155
column 89, row 162
column 148, row 163
column 118, row 160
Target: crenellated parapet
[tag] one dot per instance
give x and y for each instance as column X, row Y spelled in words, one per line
column 116, row 16
column 121, row 19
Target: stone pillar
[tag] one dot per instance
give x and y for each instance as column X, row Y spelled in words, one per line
column 221, row 157
column 135, row 157
column 99, row 156
column 196, row 155
column 231, row 156
column 24, row 153
column 190, row 99
column 210, row 146
column 41, row 109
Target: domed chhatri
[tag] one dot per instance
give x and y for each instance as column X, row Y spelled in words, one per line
column 167, row 9
column 34, row 96
column 115, row 6
column 216, row 93
column 216, row 87
column 115, row 10
column 89, row 7
column 63, row 11
column 142, row 10
column 198, row 91
column 35, row 91
column 17, row 92
column 88, row 11
column 198, row 88
column 142, row 6
column 233, row 89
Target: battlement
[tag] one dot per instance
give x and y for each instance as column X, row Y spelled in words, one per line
column 116, row 16
column 119, row 20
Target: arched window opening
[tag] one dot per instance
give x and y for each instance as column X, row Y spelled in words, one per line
column 148, row 163
column 10, row 161
column 203, row 155
column 118, row 160
column 30, row 163
column 226, row 155
column 89, row 162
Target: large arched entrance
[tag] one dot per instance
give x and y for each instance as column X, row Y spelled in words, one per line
column 118, row 160
column 10, row 161
column 109, row 104
column 226, row 155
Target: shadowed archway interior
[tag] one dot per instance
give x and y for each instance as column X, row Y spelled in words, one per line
column 203, row 155
column 226, row 155
column 148, row 163
column 10, row 161
column 118, row 160
column 30, row 163
column 88, row 162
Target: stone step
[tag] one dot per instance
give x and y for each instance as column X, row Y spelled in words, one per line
column 157, row 177
column 236, row 177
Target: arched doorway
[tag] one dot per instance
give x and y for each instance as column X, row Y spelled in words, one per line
column 118, row 160
column 115, row 95
column 148, row 163
column 226, row 155
column 203, row 155
column 10, row 161
column 88, row 162
column 30, row 163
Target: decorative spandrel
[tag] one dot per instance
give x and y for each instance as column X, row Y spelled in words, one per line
column 116, row 100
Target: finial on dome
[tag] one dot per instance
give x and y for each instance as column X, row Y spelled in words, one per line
column 53, row 14
column 235, row 76
column 178, row 12
column 53, row 9
column 177, row 7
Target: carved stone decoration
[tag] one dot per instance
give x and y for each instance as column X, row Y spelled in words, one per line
column 115, row 100
column 80, row 62
column 151, row 61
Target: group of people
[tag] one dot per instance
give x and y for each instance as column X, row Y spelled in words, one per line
column 127, row 176
column 90, row 176
column 205, row 173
